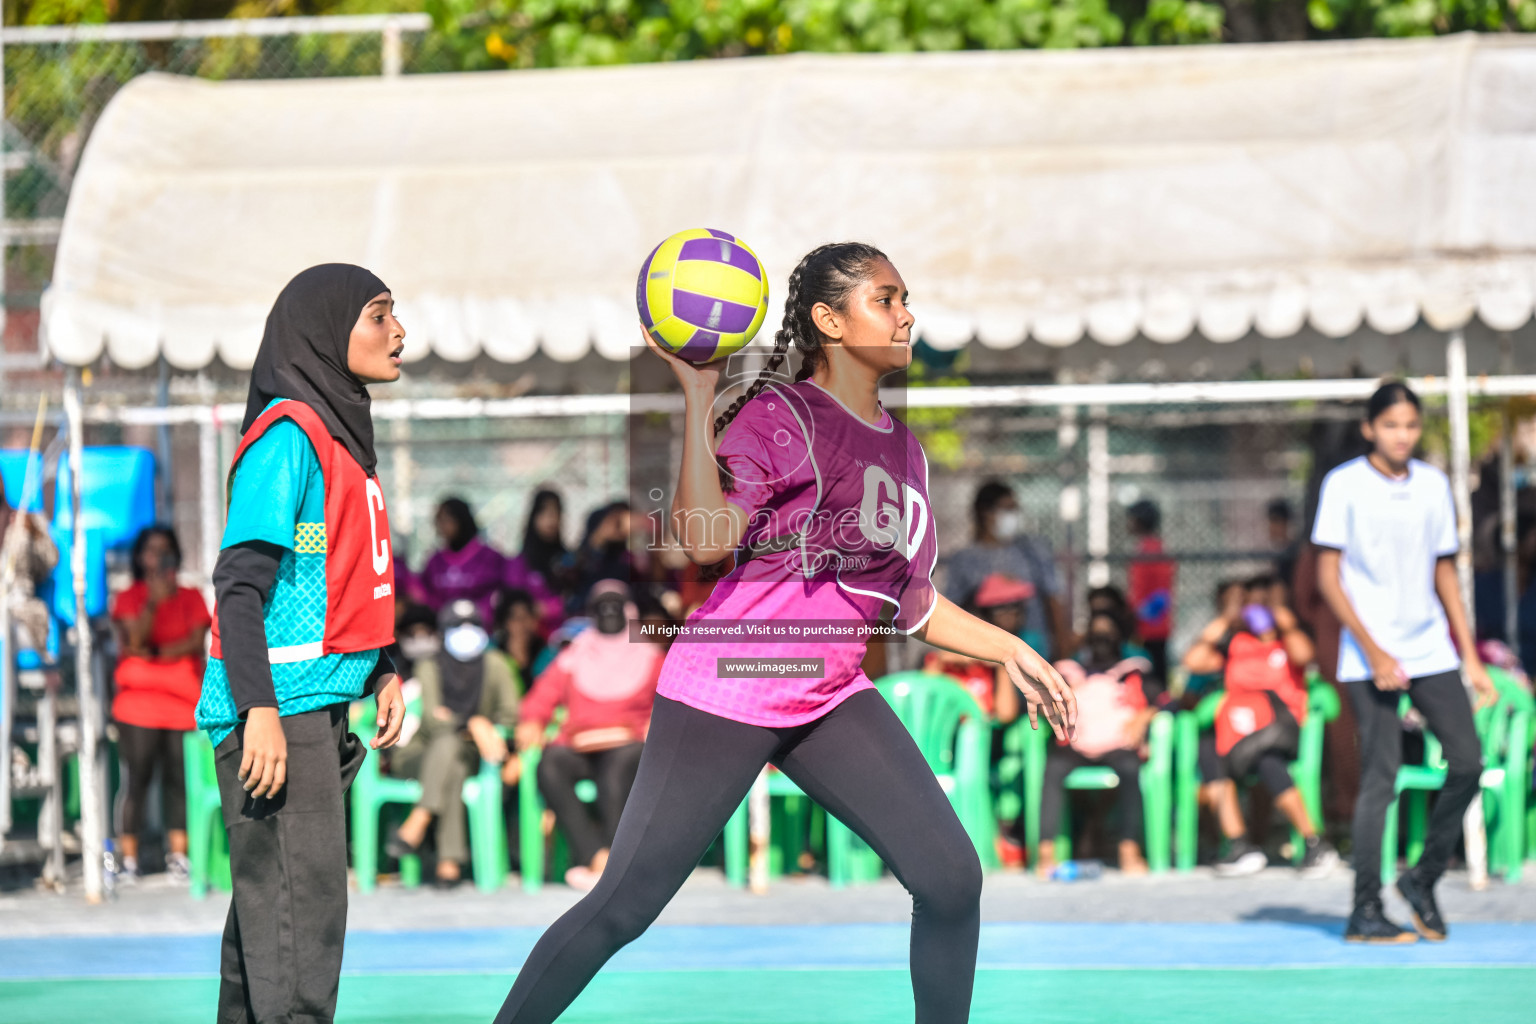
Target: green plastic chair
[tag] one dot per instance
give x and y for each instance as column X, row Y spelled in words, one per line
column 1156, row 790
column 792, row 830
column 1506, row 784
column 1306, row 770
column 955, row 739
column 530, row 819
column 1504, row 733
column 207, row 840
column 372, row 790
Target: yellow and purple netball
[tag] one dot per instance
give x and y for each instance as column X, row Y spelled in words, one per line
column 702, row 294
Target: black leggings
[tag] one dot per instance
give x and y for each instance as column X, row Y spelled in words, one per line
column 1059, row 763
column 560, row 768
column 1443, row 702
column 140, row 751
column 857, row 761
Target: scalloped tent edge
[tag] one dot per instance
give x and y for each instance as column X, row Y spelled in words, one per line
column 1041, row 197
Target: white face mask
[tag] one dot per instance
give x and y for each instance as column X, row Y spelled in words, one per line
column 1005, row 525
column 418, row 647
column 465, row 642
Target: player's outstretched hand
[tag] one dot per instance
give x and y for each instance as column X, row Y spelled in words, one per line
column 391, row 713
column 693, row 378
column 1044, row 691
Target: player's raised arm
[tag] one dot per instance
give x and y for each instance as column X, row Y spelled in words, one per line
column 1045, row 691
column 706, row 525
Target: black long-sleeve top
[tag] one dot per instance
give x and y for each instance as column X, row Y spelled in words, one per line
column 242, row 581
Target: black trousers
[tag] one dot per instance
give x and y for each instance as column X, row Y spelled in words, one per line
column 857, row 761
column 1059, row 763
column 1443, row 702
column 141, row 751
column 281, row 958
column 613, row 771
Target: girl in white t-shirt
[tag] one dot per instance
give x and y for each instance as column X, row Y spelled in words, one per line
column 1387, row 527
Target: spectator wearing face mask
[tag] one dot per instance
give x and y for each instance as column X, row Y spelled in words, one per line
column 999, row 545
column 1113, row 716
column 465, row 696
column 416, row 636
column 1262, row 654
column 606, row 682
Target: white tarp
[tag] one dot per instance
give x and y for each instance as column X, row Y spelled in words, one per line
column 1160, row 191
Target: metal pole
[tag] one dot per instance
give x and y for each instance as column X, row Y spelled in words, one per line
column 1474, row 837
column 1508, row 539
column 1098, row 497
column 402, row 509
column 165, row 489
column 391, row 41
column 209, row 492
column 92, row 802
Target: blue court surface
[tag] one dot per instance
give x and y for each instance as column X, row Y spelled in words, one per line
column 786, row 974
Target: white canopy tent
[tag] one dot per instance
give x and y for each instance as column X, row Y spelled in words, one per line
column 1026, row 196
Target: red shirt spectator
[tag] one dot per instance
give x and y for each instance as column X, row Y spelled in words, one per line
column 605, row 683
column 158, row 690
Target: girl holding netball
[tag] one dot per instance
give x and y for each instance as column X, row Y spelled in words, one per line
column 305, row 605
column 1387, row 525
column 823, row 497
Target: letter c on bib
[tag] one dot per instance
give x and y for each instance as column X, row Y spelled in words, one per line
column 379, row 544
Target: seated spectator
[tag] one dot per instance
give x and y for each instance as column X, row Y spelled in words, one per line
column 1230, row 597
column 1112, row 720
column 27, row 555
column 465, row 566
column 161, row 628
column 539, row 568
column 1111, row 601
column 604, row 553
column 1262, row 654
column 1000, row 545
column 606, row 683
column 465, row 696
column 1002, row 601
column 517, row 634
column 416, row 637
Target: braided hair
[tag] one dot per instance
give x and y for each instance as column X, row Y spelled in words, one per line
column 827, row 274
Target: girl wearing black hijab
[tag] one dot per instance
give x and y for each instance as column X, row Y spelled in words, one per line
column 305, row 604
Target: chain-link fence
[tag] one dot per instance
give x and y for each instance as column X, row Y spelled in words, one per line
column 58, row 81
column 1213, row 471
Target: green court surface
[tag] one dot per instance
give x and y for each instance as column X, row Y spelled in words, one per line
column 1295, row 972
column 1333, row 995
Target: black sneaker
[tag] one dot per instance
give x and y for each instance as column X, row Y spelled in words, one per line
column 1243, row 858
column 1369, row 924
column 1421, row 901
column 1320, row 859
